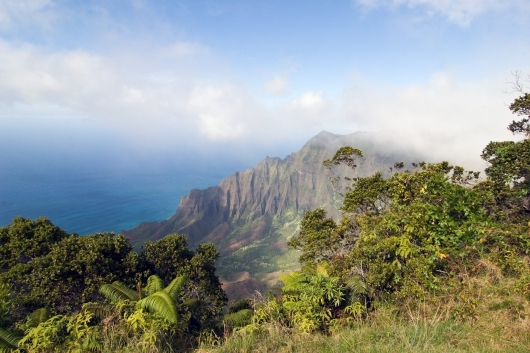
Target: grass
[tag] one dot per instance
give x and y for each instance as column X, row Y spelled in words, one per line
column 496, row 320
column 383, row 332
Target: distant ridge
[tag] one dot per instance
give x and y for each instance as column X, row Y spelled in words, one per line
column 251, row 214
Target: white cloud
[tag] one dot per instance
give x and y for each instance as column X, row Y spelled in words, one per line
column 223, row 112
column 277, row 86
column 312, row 109
column 445, row 118
column 310, row 101
column 99, row 87
column 40, row 12
column 461, row 12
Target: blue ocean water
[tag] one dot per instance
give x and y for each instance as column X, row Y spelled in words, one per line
column 88, row 200
column 87, row 178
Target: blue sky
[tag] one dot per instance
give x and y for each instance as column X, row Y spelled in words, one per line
column 257, row 78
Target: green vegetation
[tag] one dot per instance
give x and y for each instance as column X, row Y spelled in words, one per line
column 431, row 259
column 428, row 259
column 66, row 293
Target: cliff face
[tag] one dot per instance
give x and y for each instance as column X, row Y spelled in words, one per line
column 251, row 214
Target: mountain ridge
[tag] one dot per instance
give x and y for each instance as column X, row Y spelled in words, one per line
column 251, row 215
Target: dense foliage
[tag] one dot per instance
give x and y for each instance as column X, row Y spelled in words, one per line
column 64, row 292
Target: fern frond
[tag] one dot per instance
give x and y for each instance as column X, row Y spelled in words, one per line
column 238, row 319
column 357, row 284
column 174, row 288
column 38, row 316
column 8, row 340
column 192, row 304
column 293, row 281
column 154, row 284
column 100, row 311
column 161, row 304
column 118, row 291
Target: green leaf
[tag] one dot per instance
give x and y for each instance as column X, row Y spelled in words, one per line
column 161, row 304
column 238, row 319
column 154, row 284
column 118, row 291
column 8, row 340
column 100, row 311
column 38, row 316
column 175, row 287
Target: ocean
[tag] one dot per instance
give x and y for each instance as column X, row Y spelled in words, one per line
column 99, row 198
column 86, row 178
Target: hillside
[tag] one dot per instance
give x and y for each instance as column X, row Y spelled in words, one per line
column 251, row 214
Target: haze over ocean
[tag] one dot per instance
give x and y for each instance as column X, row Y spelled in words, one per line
column 101, row 183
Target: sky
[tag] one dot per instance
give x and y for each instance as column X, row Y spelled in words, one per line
column 140, row 80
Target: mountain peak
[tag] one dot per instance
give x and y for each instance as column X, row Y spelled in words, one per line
column 251, row 215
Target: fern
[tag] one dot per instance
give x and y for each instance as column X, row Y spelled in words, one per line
column 174, row 288
column 154, row 284
column 8, row 340
column 161, row 304
column 38, row 316
column 293, row 281
column 99, row 311
column 118, row 291
column 357, row 284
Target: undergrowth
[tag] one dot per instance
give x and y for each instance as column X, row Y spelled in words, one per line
column 498, row 321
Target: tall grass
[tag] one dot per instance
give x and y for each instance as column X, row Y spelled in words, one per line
column 488, row 314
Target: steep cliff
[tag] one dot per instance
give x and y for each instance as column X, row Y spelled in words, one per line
column 251, row 214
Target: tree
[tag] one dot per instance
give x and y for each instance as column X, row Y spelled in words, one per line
column 170, row 257
column 24, row 240
column 509, row 170
column 44, row 266
column 318, row 238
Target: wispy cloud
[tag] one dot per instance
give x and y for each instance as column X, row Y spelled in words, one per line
column 32, row 12
column 99, row 87
column 277, row 86
column 461, row 12
column 445, row 118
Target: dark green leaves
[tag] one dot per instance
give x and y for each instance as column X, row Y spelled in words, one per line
column 521, row 106
column 369, row 195
column 8, row 340
column 318, row 238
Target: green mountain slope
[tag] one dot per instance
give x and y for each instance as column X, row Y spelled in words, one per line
column 252, row 214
